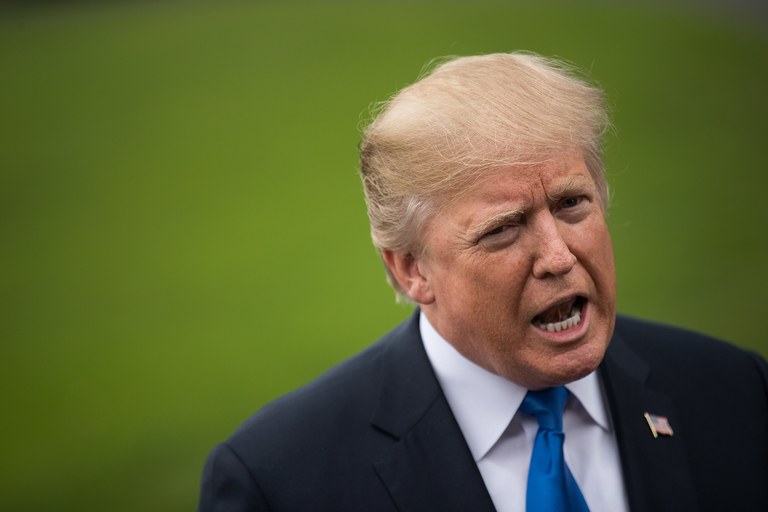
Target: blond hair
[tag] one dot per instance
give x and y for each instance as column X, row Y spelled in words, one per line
column 468, row 116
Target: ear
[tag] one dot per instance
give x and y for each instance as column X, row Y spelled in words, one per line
column 408, row 274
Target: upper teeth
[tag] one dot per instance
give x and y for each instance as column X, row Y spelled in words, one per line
column 569, row 322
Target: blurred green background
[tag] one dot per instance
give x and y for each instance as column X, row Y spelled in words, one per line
column 183, row 235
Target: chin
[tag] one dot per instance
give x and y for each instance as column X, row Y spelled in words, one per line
column 573, row 365
column 585, row 363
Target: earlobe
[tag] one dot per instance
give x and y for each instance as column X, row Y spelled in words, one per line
column 408, row 274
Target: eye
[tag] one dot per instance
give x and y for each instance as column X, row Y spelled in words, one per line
column 499, row 237
column 571, row 202
column 496, row 231
column 573, row 208
column 503, row 231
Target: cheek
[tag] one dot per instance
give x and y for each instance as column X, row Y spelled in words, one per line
column 596, row 255
column 604, row 247
column 492, row 284
column 601, row 250
column 593, row 244
column 501, row 289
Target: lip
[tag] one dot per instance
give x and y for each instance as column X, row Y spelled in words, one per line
column 574, row 333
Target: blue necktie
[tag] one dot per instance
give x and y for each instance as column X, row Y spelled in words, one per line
column 551, row 487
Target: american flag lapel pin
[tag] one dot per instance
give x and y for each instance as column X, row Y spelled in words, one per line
column 659, row 425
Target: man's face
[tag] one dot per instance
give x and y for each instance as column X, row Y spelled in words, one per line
column 518, row 274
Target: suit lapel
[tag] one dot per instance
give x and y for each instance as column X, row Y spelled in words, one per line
column 429, row 466
column 655, row 470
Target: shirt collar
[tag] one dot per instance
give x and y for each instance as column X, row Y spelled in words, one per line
column 484, row 403
column 589, row 392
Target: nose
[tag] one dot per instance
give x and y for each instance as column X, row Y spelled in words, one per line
column 553, row 256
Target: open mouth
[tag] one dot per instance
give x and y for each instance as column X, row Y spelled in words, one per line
column 562, row 316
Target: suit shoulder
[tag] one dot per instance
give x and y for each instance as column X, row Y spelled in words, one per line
column 319, row 400
column 684, row 348
column 339, row 402
column 316, row 444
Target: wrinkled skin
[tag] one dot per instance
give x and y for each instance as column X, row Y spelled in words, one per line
column 515, row 245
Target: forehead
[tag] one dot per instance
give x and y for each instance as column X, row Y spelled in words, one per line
column 523, row 187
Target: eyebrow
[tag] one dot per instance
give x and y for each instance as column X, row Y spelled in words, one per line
column 499, row 219
column 570, row 186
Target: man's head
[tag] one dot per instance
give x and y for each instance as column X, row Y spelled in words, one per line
column 486, row 198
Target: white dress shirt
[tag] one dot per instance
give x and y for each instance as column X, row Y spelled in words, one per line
column 501, row 441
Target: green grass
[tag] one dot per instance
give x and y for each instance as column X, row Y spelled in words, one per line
column 183, row 235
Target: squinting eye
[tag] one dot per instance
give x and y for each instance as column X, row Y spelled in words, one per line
column 499, row 237
column 495, row 231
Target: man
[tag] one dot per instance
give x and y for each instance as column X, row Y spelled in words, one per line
column 487, row 200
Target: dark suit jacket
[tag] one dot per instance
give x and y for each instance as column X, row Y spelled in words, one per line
column 376, row 433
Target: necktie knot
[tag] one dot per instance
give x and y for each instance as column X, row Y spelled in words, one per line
column 547, row 407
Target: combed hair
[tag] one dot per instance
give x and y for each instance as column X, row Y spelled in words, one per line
column 469, row 116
